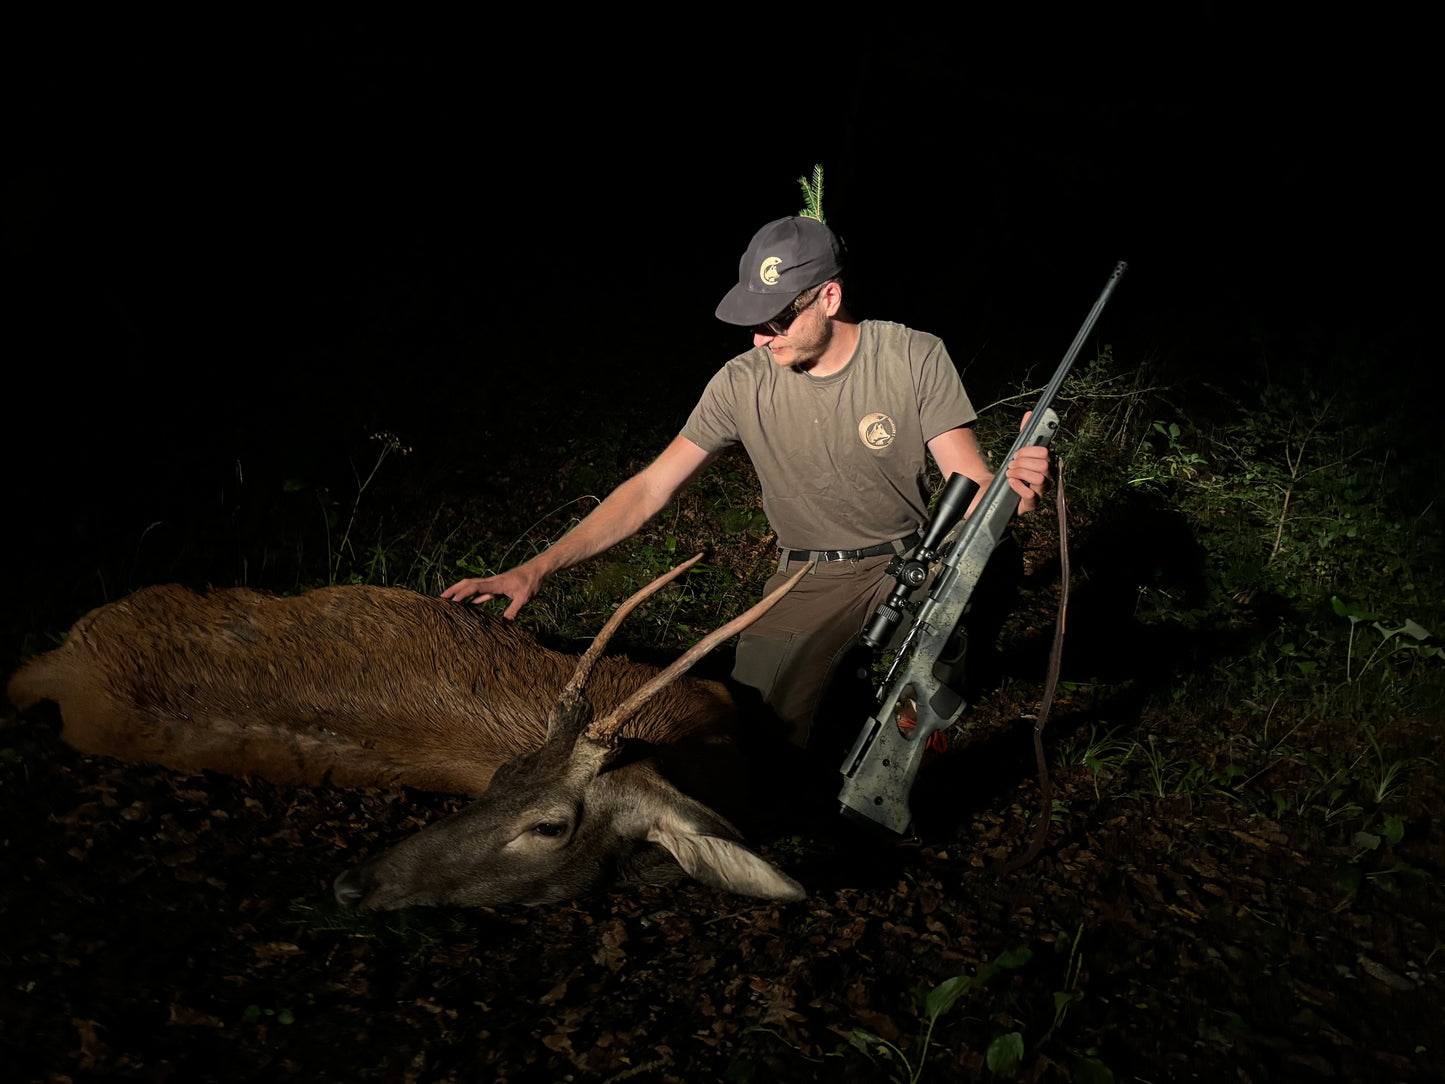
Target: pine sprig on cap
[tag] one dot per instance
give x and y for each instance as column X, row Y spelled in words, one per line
column 813, row 196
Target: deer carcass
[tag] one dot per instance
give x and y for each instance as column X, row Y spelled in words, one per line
column 371, row 686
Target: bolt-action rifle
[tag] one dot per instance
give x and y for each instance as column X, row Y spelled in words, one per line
column 927, row 669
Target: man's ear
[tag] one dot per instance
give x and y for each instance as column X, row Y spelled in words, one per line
column 832, row 294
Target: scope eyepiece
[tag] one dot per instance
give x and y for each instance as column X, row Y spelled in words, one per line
column 885, row 622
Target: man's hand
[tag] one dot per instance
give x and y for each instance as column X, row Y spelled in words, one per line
column 1029, row 473
column 520, row 585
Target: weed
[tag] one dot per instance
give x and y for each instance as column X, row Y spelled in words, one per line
column 1006, row 1050
column 1410, row 641
column 935, row 1003
column 1104, row 755
column 389, row 444
column 1176, row 461
column 1157, row 766
column 254, row 1014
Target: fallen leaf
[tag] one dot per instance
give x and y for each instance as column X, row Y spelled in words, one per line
column 184, row 1017
column 274, row 950
column 1383, row 974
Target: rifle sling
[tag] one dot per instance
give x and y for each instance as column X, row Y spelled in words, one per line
column 1056, row 654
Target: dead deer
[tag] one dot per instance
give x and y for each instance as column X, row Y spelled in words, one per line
column 373, row 686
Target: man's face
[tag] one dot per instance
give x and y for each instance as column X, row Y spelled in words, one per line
column 804, row 340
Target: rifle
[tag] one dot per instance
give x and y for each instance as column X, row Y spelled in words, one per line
column 883, row 762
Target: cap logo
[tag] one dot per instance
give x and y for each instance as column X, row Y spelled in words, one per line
column 877, row 431
column 769, row 271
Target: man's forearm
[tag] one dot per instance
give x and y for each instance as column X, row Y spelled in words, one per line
column 621, row 515
column 626, row 508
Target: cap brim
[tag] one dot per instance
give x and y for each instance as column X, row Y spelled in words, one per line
column 746, row 307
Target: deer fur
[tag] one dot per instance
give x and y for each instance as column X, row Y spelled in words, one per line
column 371, row 686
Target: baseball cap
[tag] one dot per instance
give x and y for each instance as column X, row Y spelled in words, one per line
column 783, row 259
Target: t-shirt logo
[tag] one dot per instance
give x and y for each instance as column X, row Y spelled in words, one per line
column 769, row 271
column 877, row 430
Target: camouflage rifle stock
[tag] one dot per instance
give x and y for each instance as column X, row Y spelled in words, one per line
column 881, row 767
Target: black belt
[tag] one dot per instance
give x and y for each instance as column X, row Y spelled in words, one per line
column 899, row 546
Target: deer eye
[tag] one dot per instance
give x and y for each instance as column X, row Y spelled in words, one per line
column 550, row 829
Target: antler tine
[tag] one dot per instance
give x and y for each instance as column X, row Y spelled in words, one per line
column 589, row 657
column 604, row 729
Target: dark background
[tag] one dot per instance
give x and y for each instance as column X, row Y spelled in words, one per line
column 237, row 247
column 255, row 243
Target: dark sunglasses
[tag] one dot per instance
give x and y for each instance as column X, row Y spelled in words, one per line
column 779, row 324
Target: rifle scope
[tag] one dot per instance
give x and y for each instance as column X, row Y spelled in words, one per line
column 911, row 573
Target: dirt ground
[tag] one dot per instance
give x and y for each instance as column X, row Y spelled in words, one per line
column 169, row 928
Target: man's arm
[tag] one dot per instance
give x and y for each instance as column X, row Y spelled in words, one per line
column 620, row 516
column 956, row 451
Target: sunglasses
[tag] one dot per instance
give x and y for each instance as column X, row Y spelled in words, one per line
column 779, row 324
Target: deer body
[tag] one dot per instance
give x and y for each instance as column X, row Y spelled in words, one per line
column 355, row 686
column 371, row 686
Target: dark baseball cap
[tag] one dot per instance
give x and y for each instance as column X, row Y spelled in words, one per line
column 783, row 259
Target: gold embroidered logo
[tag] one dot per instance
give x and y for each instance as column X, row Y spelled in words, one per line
column 877, row 431
column 769, row 271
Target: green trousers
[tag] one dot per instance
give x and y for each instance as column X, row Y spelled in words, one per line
column 788, row 653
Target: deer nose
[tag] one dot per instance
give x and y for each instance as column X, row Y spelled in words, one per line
column 351, row 886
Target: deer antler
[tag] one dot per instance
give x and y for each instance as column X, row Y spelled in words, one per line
column 589, row 657
column 605, row 729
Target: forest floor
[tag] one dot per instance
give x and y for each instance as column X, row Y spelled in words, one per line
column 161, row 927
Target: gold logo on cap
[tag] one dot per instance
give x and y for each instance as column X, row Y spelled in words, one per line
column 769, row 271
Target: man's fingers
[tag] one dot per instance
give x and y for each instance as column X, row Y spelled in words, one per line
column 1031, row 463
column 1028, row 473
column 463, row 590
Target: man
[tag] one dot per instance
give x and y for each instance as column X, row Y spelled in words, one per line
column 836, row 416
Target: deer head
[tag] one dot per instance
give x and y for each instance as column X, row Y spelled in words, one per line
column 588, row 808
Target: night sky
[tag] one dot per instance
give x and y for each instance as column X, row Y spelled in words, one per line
column 300, row 228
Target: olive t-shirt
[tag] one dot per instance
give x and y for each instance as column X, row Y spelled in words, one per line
column 841, row 458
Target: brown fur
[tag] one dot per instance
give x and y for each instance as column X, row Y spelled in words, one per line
column 355, row 686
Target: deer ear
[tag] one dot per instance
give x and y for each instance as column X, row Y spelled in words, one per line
column 705, row 845
column 724, row 863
